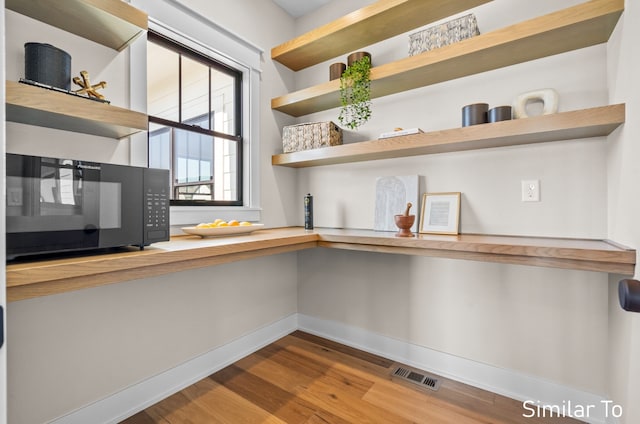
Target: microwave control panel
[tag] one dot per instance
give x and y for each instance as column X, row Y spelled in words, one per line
column 156, row 205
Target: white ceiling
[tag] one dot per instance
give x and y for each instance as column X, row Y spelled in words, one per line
column 297, row 8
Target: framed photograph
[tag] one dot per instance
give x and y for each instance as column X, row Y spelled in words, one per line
column 440, row 213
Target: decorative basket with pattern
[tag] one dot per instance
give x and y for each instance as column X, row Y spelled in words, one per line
column 310, row 136
column 443, row 34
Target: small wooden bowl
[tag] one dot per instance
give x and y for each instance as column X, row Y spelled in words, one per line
column 404, row 223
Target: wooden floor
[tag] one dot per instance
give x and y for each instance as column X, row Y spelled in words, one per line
column 306, row 379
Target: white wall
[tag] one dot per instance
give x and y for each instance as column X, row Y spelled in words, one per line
column 624, row 207
column 548, row 323
column 73, row 349
column 518, row 318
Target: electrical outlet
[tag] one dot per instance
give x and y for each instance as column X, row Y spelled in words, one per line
column 530, row 190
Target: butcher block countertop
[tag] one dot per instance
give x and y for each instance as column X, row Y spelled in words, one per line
column 31, row 279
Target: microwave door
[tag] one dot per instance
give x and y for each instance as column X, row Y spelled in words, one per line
column 67, row 195
column 32, row 208
column 52, row 207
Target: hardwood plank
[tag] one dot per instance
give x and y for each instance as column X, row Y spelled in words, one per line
column 304, row 382
column 576, row 27
column 447, row 406
column 577, row 124
column 178, row 409
column 454, row 402
column 340, row 361
column 347, row 360
column 338, row 347
column 143, row 418
column 295, row 372
column 278, row 402
column 421, row 407
column 363, row 27
column 299, row 379
column 225, row 406
column 352, row 409
column 340, row 393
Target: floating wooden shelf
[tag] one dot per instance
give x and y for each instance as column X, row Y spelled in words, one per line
column 112, row 23
column 366, row 26
column 43, row 278
column 47, row 108
column 569, row 29
column 595, row 122
column 578, row 254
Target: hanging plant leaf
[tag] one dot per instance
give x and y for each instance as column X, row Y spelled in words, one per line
column 355, row 94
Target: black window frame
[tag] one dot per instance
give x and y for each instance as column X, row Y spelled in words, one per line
column 188, row 52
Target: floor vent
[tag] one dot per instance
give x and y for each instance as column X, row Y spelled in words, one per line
column 417, row 377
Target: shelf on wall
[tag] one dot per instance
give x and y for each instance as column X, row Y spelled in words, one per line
column 594, row 122
column 373, row 23
column 112, row 23
column 553, row 252
column 583, row 25
column 47, row 108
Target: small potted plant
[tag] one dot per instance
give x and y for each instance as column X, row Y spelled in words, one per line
column 355, row 91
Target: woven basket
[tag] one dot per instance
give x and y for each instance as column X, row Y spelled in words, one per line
column 310, row 136
column 443, row 34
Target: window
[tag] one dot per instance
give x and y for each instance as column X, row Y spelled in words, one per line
column 195, row 128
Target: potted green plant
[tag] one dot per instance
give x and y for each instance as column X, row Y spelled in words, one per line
column 355, row 93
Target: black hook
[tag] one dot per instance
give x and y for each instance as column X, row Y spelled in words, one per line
column 629, row 294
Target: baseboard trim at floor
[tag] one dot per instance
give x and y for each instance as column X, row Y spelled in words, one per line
column 512, row 384
column 129, row 401
column 501, row 381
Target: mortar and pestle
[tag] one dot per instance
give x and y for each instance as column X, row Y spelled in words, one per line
column 404, row 223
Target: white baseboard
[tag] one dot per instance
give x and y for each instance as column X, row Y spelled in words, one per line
column 502, row 381
column 129, row 401
column 505, row 382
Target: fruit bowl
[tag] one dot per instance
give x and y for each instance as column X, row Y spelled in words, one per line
column 222, row 231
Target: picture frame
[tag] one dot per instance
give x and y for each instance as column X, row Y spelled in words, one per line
column 440, row 213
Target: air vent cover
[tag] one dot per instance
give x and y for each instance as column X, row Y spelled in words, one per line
column 417, row 377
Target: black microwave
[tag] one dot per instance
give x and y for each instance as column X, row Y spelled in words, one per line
column 63, row 205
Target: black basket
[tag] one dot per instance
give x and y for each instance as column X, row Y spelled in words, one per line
column 48, row 65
